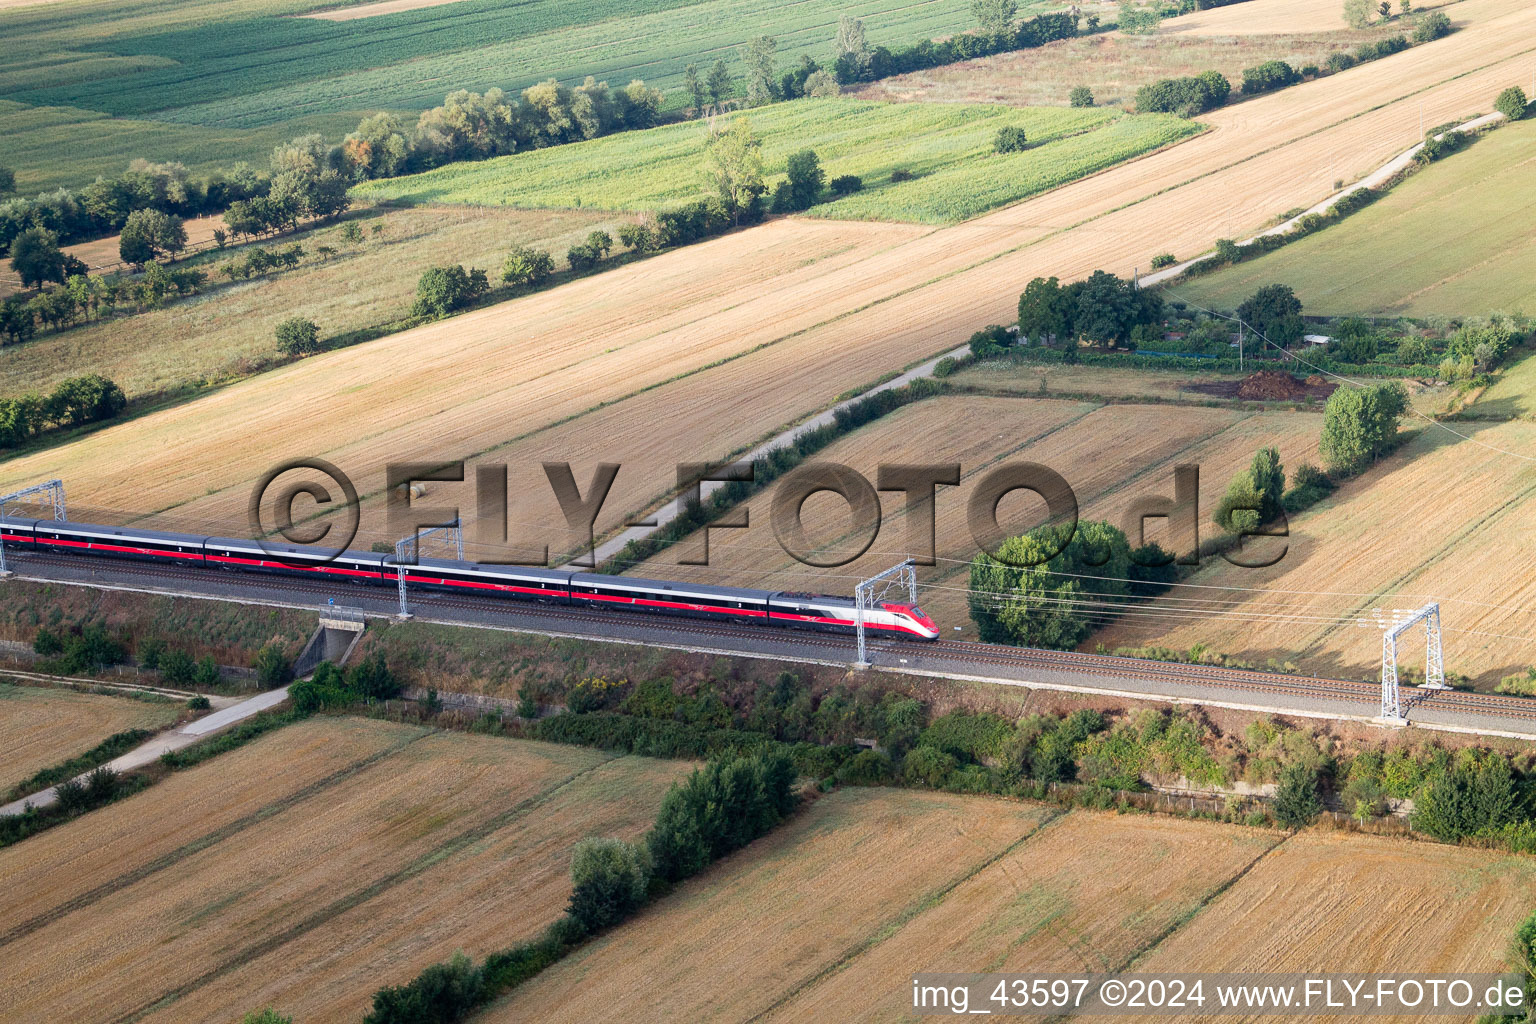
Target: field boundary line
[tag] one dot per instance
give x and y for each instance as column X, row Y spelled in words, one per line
column 907, row 914
column 1216, row 893
column 200, row 843
column 417, row 865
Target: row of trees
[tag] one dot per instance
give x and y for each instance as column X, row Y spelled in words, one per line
column 85, row 297
column 74, row 402
column 1102, row 309
column 104, row 206
column 473, row 126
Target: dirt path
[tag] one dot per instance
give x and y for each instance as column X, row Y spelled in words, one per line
column 175, row 739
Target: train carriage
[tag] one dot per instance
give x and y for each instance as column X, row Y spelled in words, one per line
column 669, row 598
column 551, row 586
column 17, row 533
column 293, row 560
column 117, row 542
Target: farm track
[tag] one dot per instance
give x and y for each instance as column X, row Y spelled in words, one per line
column 951, row 655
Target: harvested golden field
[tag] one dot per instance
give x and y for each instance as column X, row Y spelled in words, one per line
column 806, row 310
column 758, row 926
column 1322, row 901
column 1111, row 455
column 228, row 331
column 1274, row 16
column 488, row 375
column 40, row 727
column 829, row 917
column 1112, row 65
column 362, row 878
column 1087, row 892
column 1441, row 519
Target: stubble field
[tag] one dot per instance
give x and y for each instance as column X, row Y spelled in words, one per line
column 1111, row 455
column 305, row 871
column 802, row 333
column 229, row 331
column 1442, row 519
column 990, row 885
column 39, row 728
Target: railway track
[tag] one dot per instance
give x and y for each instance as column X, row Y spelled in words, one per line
column 958, row 654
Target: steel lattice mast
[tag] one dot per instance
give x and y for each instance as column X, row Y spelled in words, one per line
column 865, row 598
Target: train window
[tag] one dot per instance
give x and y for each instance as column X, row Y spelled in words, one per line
column 917, row 612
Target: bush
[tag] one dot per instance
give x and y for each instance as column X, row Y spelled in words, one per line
column 199, row 703
column 901, row 174
column 637, row 237
column 1163, row 259
column 441, row 994
column 272, row 667
column 845, row 184
column 1309, row 485
column 177, row 666
column 1434, row 25
column 1185, row 96
column 1297, row 803
column 609, row 881
column 297, row 336
column 1266, row 77
column 207, row 671
column 1339, row 61
column 442, row 290
column 47, row 643
column 527, row 267
column 1511, row 103
column 1081, row 96
column 269, row 1015
column 1010, row 139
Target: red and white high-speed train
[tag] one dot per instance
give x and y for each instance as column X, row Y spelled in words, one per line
column 551, row 586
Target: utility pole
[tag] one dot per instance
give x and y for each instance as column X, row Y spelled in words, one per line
column 1240, row 326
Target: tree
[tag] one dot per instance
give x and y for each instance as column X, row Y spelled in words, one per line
column 801, row 189
column 823, row 84
column 297, row 336
column 761, row 73
column 1254, row 495
column 527, row 267
column 850, row 50
column 1010, row 138
column 1360, row 424
column 85, row 399
column 1511, row 103
column 609, row 878
column 379, row 148
column 1274, row 312
column 36, row 257
column 1357, row 13
column 1081, row 96
column 1296, row 802
column 1138, row 20
column 1476, row 794
column 1105, row 308
column 1041, row 589
column 149, row 234
column 1434, row 25
column 1042, row 310
column 719, row 82
column 693, row 88
column 734, row 167
column 444, row 289
column 7, row 180
column 994, row 17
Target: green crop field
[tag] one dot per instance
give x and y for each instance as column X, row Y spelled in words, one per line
column 190, row 82
column 1458, row 238
column 947, row 146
